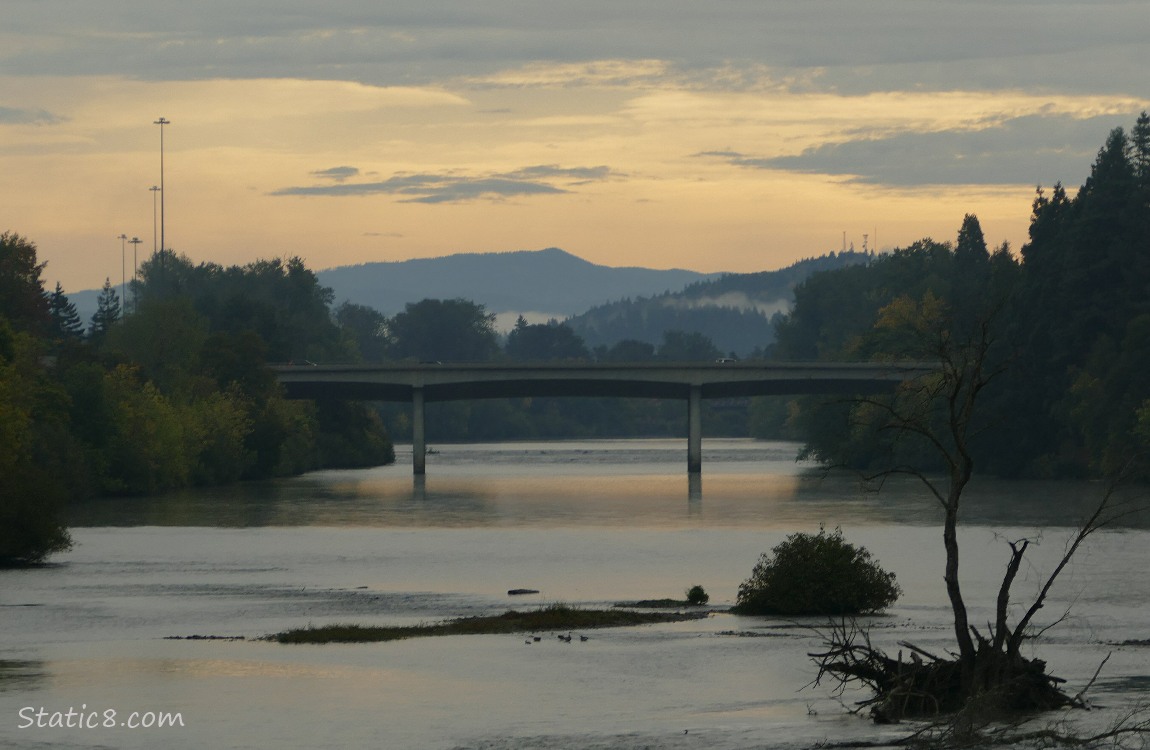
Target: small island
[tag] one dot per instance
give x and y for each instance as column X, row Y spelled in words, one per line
column 551, row 618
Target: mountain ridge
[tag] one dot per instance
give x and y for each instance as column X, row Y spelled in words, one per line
column 540, row 284
column 549, row 282
column 602, row 304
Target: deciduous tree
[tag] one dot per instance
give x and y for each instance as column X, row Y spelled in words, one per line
column 22, row 300
column 543, row 342
column 366, row 328
column 942, row 412
column 443, row 330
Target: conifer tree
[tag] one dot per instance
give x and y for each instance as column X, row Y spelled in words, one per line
column 1140, row 147
column 107, row 312
column 971, row 246
column 66, row 323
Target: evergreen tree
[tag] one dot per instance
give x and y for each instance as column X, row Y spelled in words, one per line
column 970, row 274
column 971, row 246
column 1140, row 150
column 1069, row 325
column 66, row 323
column 107, row 312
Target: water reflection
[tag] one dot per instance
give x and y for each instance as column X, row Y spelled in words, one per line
column 19, row 675
column 596, row 483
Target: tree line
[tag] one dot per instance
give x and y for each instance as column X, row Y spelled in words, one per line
column 1064, row 326
column 175, row 393
column 454, row 330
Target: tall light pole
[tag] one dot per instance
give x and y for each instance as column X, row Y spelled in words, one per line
column 155, row 189
column 123, row 272
column 135, row 243
column 162, row 122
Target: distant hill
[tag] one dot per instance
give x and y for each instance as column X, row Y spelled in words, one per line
column 602, row 303
column 734, row 310
column 86, row 302
column 539, row 284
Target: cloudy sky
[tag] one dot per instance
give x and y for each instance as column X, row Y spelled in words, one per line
column 718, row 136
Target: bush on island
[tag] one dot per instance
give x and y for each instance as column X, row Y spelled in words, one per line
column 697, row 596
column 816, row 574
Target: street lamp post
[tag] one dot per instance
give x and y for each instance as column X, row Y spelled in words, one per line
column 123, row 269
column 135, row 243
column 155, row 189
column 162, row 122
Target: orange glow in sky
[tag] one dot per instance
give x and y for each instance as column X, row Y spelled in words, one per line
column 629, row 134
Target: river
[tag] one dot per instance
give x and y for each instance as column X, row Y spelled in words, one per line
column 585, row 523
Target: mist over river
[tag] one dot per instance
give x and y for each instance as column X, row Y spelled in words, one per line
column 586, row 523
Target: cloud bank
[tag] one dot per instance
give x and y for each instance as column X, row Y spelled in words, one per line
column 854, row 47
column 1005, row 153
column 453, row 188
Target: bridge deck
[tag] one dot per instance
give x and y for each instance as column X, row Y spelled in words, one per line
column 455, row 381
column 691, row 381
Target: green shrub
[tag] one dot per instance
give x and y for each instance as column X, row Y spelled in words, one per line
column 816, row 574
column 697, row 596
column 31, row 528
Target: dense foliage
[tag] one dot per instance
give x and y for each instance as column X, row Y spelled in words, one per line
column 36, row 446
column 440, row 330
column 697, row 596
column 32, row 463
column 1067, row 322
column 177, row 393
column 549, row 342
column 816, row 574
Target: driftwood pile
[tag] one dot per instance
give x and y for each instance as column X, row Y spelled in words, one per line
column 924, row 685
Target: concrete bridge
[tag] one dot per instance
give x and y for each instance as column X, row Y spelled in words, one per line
column 689, row 381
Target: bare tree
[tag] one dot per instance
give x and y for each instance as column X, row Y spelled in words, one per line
column 940, row 411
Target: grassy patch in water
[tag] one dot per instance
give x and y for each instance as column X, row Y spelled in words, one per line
column 657, row 603
column 555, row 617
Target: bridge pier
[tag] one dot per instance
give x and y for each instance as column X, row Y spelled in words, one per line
column 695, row 430
column 450, row 382
column 418, row 436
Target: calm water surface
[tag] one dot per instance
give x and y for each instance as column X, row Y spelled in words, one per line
column 585, row 523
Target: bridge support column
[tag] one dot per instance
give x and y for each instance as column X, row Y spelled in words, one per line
column 418, row 436
column 695, row 430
